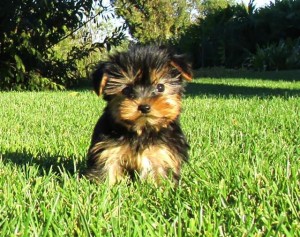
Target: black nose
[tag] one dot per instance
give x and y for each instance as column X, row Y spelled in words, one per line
column 144, row 108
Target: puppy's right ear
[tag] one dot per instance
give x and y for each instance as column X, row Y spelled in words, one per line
column 99, row 78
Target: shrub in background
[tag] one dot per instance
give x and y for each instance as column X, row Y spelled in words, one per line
column 281, row 56
column 29, row 31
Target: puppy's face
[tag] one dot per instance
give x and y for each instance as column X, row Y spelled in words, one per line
column 143, row 87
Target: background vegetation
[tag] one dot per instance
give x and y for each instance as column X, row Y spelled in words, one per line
column 53, row 45
column 243, row 36
column 32, row 52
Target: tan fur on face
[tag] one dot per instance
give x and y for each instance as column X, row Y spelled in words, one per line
column 164, row 109
column 152, row 163
column 156, row 75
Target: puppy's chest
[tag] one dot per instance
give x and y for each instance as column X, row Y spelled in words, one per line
column 133, row 157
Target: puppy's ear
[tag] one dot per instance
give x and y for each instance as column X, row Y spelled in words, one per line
column 180, row 63
column 99, row 78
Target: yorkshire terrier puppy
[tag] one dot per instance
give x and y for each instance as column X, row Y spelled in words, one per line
column 139, row 134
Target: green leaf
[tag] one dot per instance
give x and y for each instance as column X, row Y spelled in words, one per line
column 19, row 63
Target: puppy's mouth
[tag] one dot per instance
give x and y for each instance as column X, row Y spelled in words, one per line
column 146, row 119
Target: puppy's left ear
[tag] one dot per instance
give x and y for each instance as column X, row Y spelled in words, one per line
column 99, row 78
column 180, row 63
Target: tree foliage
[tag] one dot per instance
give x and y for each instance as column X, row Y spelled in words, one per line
column 155, row 20
column 162, row 20
column 206, row 7
column 30, row 29
column 228, row 36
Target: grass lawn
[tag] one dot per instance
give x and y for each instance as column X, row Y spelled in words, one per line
column 243, row 178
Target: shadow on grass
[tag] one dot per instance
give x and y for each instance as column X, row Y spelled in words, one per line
column 198, row 89
column 45, row 163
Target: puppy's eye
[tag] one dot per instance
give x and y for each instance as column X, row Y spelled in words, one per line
column 160, row 87
column 128, row 92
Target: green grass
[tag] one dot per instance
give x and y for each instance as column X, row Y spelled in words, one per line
column 242, row 180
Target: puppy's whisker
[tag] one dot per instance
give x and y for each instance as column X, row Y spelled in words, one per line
column 128, row 79
column 138, row 75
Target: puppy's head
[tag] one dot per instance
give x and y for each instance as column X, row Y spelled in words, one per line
column 143, row 87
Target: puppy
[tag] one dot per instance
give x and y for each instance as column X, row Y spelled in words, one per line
column 138, row 134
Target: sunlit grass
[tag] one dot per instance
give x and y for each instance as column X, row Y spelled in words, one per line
column 242, row 179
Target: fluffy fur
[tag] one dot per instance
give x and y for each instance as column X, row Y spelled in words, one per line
column 139, row 135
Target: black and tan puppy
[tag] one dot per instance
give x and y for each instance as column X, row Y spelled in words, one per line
column 139, row 134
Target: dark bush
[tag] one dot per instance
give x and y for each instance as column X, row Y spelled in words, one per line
column 226, row 37
column 281, row 56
